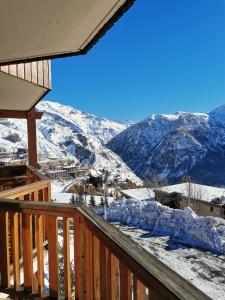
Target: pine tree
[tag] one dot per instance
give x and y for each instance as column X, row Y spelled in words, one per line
column 102, row 202
column 72, row 199
column 92, row 201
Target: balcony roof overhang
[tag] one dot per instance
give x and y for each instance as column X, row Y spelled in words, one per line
column 18, row 94
column 52, row 28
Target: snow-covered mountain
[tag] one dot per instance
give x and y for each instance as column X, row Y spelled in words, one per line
column 67, row 133
column 172, row 146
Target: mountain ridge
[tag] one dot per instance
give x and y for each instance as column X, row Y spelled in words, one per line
column 175, row 145
column 67, row 133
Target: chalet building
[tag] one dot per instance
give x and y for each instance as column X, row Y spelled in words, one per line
column 57, row 174
column 108, row 265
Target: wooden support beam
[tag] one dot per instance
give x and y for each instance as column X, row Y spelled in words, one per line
column 32, row 141
column 19, row 114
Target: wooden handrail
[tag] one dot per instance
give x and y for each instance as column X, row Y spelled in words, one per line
column 127, row 257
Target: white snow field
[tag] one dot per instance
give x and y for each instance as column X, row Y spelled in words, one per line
column 192, row 246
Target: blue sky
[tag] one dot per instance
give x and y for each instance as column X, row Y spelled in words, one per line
column 162, row 56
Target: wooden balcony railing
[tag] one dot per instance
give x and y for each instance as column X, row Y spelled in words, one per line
column 34, row 186
column 108, row 265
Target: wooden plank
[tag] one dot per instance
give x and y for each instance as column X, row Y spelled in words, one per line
column 103, row 271
column 53, row 256
column 115, row 282
column 13, row 70
column 108, row 272
column 14, row 220
column 40, row 256
column 17, row 114
column 27, row 252
column 27, row 71
column 4, row 253
column 125, row 282
column 34, row 77
column 96, row 268
column 139, row 289
column 21, row 71
column 46, row 73
column 89, row 263
column 76, row 255
column 40, row 73
column 66, row 252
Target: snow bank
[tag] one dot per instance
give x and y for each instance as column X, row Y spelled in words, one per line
column 182, row 225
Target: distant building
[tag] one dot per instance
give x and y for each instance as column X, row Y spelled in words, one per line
column 56, row 174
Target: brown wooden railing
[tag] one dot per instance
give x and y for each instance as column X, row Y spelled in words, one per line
column 37, row 187
column 108, row 265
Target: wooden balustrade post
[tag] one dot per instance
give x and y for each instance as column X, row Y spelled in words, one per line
column 89, row 263
column 53, row 256
column 79, row 257
column 14, row 220
column 115, row 283
column 103, row 271
column 27, row 252
column 139, row 289
column 66, row 252
column 96, row 268
column 125, row 282
column 4, row 251
column 40, row 256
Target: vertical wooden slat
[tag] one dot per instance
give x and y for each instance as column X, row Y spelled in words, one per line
column 139, row 289
column 27, row 252
column 34, row 72
column 115, row 289
column 40, row 73
column 77, row 257
column 14, row 220
column 53, row 256
column 125, row 282
column 40, row 258
column 96, row 268
column 108, row 272
column 13, row 70
column 21, row 71
column 66, row 252
column 28, row 71
column 89, row 263
column 49, row 75
column 46, row 73
column 103, row 270
column 4, row 253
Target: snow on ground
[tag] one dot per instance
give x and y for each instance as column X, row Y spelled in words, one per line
column 203, row 269
column 197, row 191
column 178, row 238
column 183, row 225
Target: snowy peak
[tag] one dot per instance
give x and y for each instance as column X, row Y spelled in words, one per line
column 102, row 128
column 218, row 114
column 174, row 145
column 69, row 134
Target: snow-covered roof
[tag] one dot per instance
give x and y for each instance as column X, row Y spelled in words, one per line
column 197, row 191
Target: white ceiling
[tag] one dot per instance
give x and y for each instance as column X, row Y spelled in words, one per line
column 40, row 28
column 18, row 94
